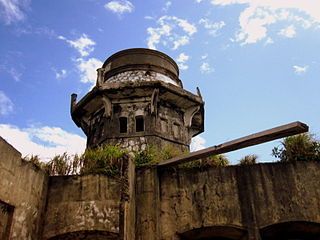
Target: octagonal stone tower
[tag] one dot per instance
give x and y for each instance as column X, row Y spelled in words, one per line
column 139, row 101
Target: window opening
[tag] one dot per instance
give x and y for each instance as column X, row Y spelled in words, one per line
column 139, row 124
column 123, row 124
column 6, row 213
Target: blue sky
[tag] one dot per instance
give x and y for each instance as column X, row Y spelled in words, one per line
column 256, row 62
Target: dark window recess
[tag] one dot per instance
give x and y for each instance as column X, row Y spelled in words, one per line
column 6, row 214
column 123, row 124
column 139, row 124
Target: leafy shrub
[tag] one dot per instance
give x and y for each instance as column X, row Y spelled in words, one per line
column 152, row 156
column 212, row 161
column 146, row 157
column 104, row 159
column 169, row 152
column 302, row 147
column 249, row 160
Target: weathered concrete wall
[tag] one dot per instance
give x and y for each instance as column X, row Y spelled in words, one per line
column 247, row 198
column 23, row 186
column 235, row 202
column 147, row 204
column 82, row 203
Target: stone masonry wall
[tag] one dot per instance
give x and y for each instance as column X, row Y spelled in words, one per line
column 140, row 75
column 23, row 186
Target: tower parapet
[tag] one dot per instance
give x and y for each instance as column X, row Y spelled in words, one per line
column 139, row 101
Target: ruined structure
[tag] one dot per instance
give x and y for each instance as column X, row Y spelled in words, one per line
column 138, row 102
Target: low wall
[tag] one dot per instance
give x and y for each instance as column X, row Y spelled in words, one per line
column 78, row 205
column 243, row 199
column 23, row 188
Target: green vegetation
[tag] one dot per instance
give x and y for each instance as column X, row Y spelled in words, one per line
column 35, row 159
column 146, row 157
column 302, row 147
column 104, row 159
column 212, row 161
column 64, row 165
column 248, row 160
column 152, row 156
column 107, row 160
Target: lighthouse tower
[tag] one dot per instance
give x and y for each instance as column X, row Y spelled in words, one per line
column 138, row 102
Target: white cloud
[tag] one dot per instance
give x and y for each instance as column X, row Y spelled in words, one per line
column 149, row 18
column 310, row 7
column 198, row 1
column 186, row 26
column 61, row 74
column 212, row 27
column 44, row 141
column 15, row 74
column 204, row 56
column 253, row 22
column 259, row 14
column 167, row 6
column 183, row 66
column 180, row 41
column 13, row 10
column 120, row 7
column 181, row 60
column 269, row 41
column 87, row 66
column 12, row 64
column 88, row 69
column 206, row 68
column 6, row 105
column 197, row 143
column 300, row 69
column 84, row 44
column 172, row 30
column 288, row 32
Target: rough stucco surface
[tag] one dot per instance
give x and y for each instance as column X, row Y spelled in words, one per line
column 160, row 204
column 23, row 186
column 78, row 203
column 244, row 196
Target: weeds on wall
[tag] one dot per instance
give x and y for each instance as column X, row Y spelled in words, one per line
column 103, row 160
column 152, row 155
column 107, row 160
column 212, row 161
column 35, row 159
column 248, row 160
column 301, row 147
column 64, row 165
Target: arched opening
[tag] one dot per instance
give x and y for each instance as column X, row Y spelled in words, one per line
column 123, row 122
column 214, row 233
column 87, row 235
column 297, row 230
column 139, row 124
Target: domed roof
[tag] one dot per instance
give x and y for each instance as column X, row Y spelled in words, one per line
column 142, row 59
